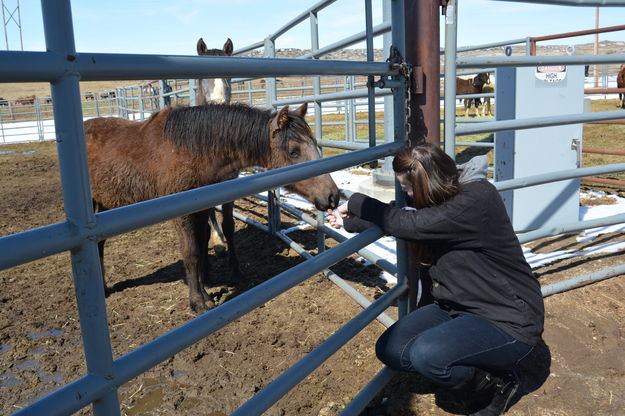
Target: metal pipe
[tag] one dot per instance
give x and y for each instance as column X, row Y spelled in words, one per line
column 334, row 96
column 296, row 373
column 451, row 35
column 604, row 181
column 370, row 88
column 604, row 151
column 48, row 66
column 400, row 127
column 72, row 153
column 584, row 280
column 522, row 61
column 602, row 3
column 579, row 33
column 558, row 176
column 422, row 49
column 604, row 91
column 536, row 122
column 571, row 227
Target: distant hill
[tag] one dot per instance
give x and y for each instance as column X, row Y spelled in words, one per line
column 605, row 47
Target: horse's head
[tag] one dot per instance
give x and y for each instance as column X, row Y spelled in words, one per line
column 481, row 79
column 292, row 142
column 216, row 90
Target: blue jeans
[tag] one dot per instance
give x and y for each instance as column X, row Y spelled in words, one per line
column 445, row 349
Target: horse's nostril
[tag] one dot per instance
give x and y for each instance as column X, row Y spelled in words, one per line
column 334, row 200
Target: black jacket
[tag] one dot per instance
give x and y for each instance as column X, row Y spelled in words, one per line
column 478, row 266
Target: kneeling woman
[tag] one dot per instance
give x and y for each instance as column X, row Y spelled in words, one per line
column 488, row 310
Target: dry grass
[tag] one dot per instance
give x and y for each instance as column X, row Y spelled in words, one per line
column 14, row 90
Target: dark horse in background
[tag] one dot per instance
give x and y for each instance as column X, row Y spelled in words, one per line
column 183, row 148
column 219, row 90
column 471, row 86
column 620, row 83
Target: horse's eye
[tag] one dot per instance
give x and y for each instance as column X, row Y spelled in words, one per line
column 294, row 153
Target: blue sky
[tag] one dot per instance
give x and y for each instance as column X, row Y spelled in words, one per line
column 173, row 27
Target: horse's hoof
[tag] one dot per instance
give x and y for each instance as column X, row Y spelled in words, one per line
column 199, row 308
column 107, row 291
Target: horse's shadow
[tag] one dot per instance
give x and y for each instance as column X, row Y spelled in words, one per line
column 397, row 397
column 261, row 257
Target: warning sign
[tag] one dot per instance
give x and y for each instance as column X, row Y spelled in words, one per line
column 555, row 73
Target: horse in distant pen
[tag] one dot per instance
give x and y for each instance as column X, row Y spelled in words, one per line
column 181, row 148
column 620, row 83
column 219, row 90
column 471, row 86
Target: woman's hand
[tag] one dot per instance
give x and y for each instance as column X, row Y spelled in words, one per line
column 337, row 216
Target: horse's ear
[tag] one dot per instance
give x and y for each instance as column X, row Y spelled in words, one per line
column 283, row 117
column 201, row 47
column 228, row 47
column 280, row 119
column 301, row 110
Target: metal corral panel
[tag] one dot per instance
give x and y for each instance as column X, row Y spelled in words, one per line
column 539, row 92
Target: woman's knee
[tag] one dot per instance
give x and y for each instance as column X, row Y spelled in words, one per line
column 426, row 358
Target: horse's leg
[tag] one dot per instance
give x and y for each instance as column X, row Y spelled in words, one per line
column 107, row 291
column 228, row 228
column 217, row 240
column 192, row 231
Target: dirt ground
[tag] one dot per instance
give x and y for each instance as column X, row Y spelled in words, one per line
column 581, row 372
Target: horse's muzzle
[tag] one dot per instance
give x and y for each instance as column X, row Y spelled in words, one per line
column 330, row 202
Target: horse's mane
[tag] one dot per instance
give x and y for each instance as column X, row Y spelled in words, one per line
column 219, row 129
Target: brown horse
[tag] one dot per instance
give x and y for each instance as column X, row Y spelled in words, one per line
column 183, row 148
column 620, row 83
column 471, row 86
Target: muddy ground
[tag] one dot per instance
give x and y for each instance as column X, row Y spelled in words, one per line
column 582, row 372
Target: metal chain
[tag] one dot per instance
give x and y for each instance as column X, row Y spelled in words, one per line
column 405, row 70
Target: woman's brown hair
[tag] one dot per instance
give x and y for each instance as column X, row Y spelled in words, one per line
column 434, row 179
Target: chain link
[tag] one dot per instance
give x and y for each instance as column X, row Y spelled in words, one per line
column 405, row 71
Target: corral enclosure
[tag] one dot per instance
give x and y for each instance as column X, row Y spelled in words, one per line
column 42, row 349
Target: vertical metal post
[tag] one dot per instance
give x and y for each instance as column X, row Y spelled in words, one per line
column 270, row 90
column 270, row 83
column 192, row 92
column 141, row 104
column 451, row 37
column 314, row 47
column 37, row 109
column 352, row 110
column 161, row 97
column 399, row 124
column 387, row 168
column 86, row 270
column 422, row 50
column 6, row 36
column 346, row 109
column 96, row 100
column 370, row 80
